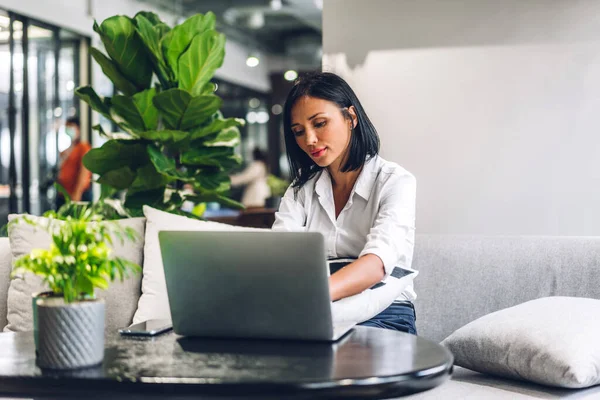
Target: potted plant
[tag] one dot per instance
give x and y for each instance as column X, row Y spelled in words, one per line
column 171, row 130
column 69, row 320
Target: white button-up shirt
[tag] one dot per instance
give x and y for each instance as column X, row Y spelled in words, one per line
column 379, row 217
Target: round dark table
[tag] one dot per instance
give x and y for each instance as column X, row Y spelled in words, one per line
column 368, row 363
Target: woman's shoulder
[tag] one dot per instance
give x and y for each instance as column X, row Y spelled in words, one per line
column 391, row 170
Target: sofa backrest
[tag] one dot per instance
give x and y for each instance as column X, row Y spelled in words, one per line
column 462, row 278
column 5, row 268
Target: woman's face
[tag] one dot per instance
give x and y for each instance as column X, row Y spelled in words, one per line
column 321, row 130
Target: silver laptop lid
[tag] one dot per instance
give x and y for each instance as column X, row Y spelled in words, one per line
column 247, row 284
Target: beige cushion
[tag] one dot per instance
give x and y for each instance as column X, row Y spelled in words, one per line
column 121, row 297
column 551, row 341
column 5, row 268
column 154, row 302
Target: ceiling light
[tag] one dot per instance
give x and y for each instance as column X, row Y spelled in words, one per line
column 252, row 61
column 256, row 20
column 277, row 109
column 290, row 75
column 70, row 86
column 251, row 117
column 276, row 4
column 262, row 117
column 254, row 102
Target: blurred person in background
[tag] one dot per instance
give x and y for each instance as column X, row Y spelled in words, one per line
column 257, row 190
column 72, row 175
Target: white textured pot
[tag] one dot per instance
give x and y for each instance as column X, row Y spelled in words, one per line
column 70, row 335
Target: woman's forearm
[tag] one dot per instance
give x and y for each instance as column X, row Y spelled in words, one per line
column 356, row 277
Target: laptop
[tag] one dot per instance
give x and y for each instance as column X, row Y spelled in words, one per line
column 263, row 285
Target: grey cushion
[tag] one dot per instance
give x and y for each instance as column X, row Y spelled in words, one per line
column 552, row 341
column 5, row 268
column 470, row 385
column 464, row 277
column 121, row 298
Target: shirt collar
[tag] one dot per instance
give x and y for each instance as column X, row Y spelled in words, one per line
column 367, row 177
column 364, row 183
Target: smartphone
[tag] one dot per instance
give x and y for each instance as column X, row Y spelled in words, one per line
column 152, row 327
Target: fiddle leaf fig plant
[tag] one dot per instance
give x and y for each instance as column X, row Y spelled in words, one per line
column 173, row 132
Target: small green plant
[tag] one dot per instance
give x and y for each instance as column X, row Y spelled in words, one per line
column 277, row 185
column 79, row 258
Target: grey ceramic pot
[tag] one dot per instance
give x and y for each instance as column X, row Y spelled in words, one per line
column 70, row 335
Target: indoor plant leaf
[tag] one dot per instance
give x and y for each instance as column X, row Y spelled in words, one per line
column 147, row 178
column 215, row 126
column 205, row 156
column 120, row 178
column 111, row 70
column 115, row 154
column 172, row 136
column 126, row 49
column 138, row 110
column 88, row 94
column 151, row 30
column 176, row 41
column 200, row 61
column 182, row 111
column 153, row 198
column 166, row 165
column 229, row 137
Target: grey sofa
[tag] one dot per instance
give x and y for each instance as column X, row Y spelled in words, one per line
column 465, row 277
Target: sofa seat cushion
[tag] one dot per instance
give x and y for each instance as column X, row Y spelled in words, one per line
column 470, row 385
column 121, row 297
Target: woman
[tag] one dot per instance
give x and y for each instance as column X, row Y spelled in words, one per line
column 257, row 190
column 363, row 205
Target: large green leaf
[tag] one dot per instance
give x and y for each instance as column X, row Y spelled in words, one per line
column 175, row 42
column 124, row 46
column 145, row 105
column 120, row 178
column 215, row 126
column 172, row 104
column 182, row 111
column 153, row 18
column 205, row 156
column 167, row 135
column 148, row 178
column 138, row 111
column 151, row 30
column 229, row 137
column 111, row 70
column 216, row 181
column 200, row 61
column 125, row 107
column 136, row 200
column 199, row 109
column 166, row 165
column 88, row 94
column 115, row 154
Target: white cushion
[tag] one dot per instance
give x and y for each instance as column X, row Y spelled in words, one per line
column 552, row 341
column 121, row 297
column 154, row 302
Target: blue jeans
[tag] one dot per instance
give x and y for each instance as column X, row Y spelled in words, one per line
column 400, row 316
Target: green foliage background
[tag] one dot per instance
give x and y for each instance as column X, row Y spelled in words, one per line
column 166, row 106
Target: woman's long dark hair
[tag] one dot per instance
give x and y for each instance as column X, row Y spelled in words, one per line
column 364, row 141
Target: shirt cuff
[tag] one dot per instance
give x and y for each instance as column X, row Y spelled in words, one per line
column 387, row 256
